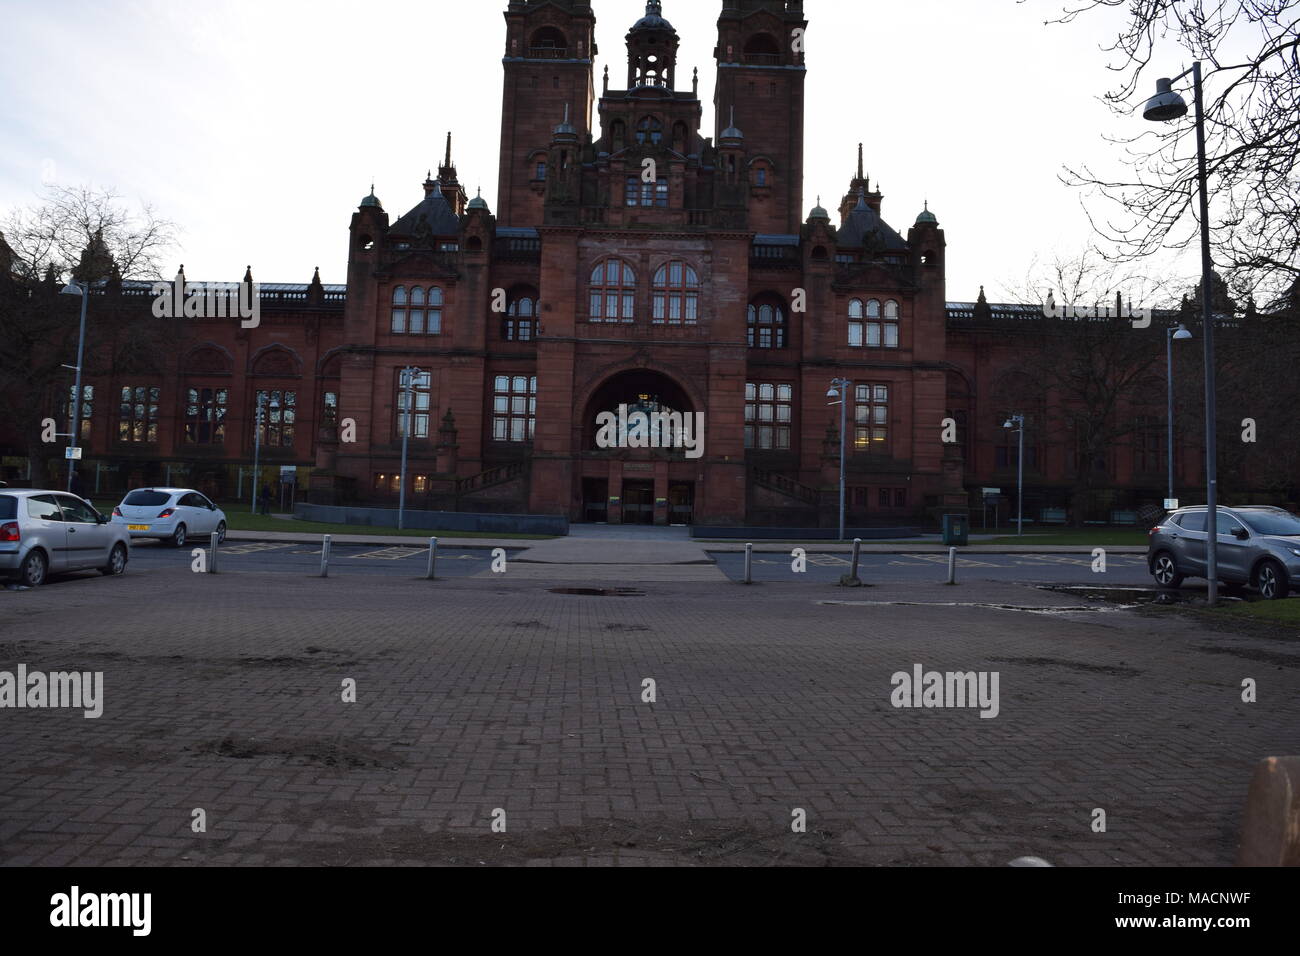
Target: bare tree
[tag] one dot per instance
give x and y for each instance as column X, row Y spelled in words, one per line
column 95, row 236
column 1252, row 119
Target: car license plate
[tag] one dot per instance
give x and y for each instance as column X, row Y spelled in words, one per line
column 138, row 527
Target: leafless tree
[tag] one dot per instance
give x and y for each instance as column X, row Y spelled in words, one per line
column 1252, row 119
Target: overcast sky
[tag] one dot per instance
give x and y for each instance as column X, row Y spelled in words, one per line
column 257, row 125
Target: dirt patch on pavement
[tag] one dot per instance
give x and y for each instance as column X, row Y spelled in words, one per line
column 304, row 751
column 1107, row 669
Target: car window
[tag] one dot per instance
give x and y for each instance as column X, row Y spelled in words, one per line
column 8, row 507
column 195, row 500
column 44, row 507
column 76, row 510
column 201, row 502
column 1227, row 524
column 1278, row 523
column 146, row 499
column 1192, row 521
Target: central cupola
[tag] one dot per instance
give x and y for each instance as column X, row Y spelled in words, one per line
column 652, row 50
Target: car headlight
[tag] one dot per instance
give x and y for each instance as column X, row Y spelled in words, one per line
column 1296, row 552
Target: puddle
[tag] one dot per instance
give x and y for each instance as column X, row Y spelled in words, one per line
column 599, row 592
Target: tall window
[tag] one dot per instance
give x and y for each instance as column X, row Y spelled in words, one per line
column 1150, row 447
column 87, row 407
column 514, row 408
column 650, row 130
column 417, row 312
column 769, row 415
column 640, row 193
column 870, row 417
column 279, row 414
column 417, row 394
column 205, row 416
column 520, row 319
column 138, row 415
column 613, row 292
column 676, row 294
column 539, row 172
column 329, row 413
column 766, row 326
column 871, row 325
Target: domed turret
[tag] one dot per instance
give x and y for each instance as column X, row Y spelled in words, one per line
column 927, row 217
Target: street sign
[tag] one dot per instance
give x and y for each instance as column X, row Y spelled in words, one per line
column 72, row 454
column 289, row 474
column 991, row 492
column 1171, row 504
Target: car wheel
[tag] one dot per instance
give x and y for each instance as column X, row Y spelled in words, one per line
column 1165, row 570
column 1271, row 581
column 179, row 537
column 221, row 532
column 34, row 567
column 116, row 561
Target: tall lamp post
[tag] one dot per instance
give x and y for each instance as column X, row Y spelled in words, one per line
column 1012, row 423
column 1172, row 335
column 408, row 377
column 257, row 446
column 1164, row 107
column 82, row 289
column 840, row 391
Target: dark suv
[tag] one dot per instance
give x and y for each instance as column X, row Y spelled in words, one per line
column 1258, row 547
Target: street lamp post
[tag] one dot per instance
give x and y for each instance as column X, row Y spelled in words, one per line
column 1165, row 106
column 1172, row 335
column 82, row 289
column 258, row 418
column 408, row 376
column 1013, row 422
column 840, row 391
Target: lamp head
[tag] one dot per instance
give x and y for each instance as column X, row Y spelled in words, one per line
column 1008, row 424
column 833, row 393
column 1183, row 334
column 72, row 288
column 1166, row 105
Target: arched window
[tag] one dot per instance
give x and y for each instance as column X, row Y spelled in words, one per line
column 613, row 292
column 676, row 294
column 762, row 49
column 521, row 316
column 891, row 324
column 766, row 325
column 649, row 130
column 417, row 312
column 548, row 43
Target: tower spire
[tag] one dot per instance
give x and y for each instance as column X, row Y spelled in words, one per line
column 860, row 161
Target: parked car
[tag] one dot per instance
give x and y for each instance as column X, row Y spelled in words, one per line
column 49, row 532
column 169, row 514
column 1258, row 547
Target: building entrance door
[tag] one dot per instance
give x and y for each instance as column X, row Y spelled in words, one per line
column 595, row 499
column 681, row 503
column 638, row 502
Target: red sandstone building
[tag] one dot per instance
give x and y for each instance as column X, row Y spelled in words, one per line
column 632, row 260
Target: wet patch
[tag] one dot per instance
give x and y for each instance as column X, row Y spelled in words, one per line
column 308, row 751
column 600, row 592
column 1110, row 670
column 1254, row 654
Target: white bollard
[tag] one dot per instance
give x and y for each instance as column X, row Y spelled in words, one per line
column 433, row 557
column 952, row 565
column 212, row 553
column 325, row 557
column 749, row 564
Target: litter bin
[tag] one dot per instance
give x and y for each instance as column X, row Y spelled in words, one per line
column 955, row 529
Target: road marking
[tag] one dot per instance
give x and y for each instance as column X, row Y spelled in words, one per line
column 252, row 547
column 391, row 554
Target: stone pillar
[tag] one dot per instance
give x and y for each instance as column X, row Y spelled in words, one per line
column 1271, row 825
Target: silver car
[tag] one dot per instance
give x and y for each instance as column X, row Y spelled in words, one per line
column 50, row 532
column 1258, row 547
column 170, row 514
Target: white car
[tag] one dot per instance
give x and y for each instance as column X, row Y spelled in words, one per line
column 170, row 514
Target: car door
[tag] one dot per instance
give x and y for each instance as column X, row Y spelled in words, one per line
column 88, row 540
column 46, row 527
column 1234, row 553
column 205, row 514
column 1189, row 543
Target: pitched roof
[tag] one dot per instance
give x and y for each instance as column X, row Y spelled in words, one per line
column 433, row 213
column 863, row 223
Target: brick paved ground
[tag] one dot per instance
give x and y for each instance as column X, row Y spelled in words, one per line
column 223, row 692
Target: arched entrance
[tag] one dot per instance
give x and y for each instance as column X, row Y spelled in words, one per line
column 626, row 479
